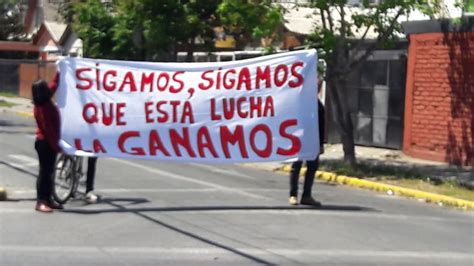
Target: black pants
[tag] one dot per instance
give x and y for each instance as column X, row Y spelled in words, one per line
column 311, row 166
column 91, row 165
column 47, row 161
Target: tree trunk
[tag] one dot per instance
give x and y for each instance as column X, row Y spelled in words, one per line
column 190, row 46
column 347, row 138
column 341, row 113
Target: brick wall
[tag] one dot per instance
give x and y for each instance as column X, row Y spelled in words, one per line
column 29, row 73
column 439, row 103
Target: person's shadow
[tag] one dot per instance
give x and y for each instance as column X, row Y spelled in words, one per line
column 128, row 205
column 124, row 205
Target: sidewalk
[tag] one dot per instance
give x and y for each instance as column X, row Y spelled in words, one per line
column 22, row 106
column 377, row 156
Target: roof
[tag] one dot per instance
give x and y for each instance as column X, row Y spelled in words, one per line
column 299, row 20
column 302, row 20
column 50, row 10
column 56, row 29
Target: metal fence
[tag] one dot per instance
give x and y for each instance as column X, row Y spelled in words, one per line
column 17, row 75
column 377, row 93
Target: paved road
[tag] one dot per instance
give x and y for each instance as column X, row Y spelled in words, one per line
column 194, row 214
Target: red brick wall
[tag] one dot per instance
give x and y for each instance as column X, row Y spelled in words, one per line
column 32, row 72
column 439, row 103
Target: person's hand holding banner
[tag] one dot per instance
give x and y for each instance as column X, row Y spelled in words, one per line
column 261, row 109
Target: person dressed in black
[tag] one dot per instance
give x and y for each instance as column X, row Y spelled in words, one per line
column 311, row 167
column 91, row 197
column 47, row 138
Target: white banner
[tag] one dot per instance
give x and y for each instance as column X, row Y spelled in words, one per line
column 260, row 109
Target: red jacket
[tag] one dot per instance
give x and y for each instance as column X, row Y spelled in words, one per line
column 47, row 119
column 53, row 85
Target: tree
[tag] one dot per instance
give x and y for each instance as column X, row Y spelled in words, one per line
column 155, row 29
column 94, row 24
column 159, row 28
column 341, row 37
column 10, row 19
column 247, row 20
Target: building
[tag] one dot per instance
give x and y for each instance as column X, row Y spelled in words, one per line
column 419, row 97
column 439, row 104
column 47, row 38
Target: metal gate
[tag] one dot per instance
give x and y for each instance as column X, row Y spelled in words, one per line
column 377, row 101
column 17, row 75
column 9, row 76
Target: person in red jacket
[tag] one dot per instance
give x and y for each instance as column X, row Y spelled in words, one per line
column 46, row 144
column 90, row 196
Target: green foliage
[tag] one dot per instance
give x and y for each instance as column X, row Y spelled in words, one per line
column 66, row 9
column 363, row 170
column 10, row 20
column 431, row 9
column 248, row 20
column 342, row 28
column 400, row 175
column 8, row 94
column 155, row 29
column 94, row 25
column 468, row 5
column 4, row 103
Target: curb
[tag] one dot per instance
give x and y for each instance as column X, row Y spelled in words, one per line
column 3, row 194
column 390, row 189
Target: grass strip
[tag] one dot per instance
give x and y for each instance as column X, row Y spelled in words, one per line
column 407, row 177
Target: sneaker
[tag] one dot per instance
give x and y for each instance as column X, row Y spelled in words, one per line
column 293, row 200
column 310, row 201
column 91, row 198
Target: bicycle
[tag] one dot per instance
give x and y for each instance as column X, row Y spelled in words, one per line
column 66, row 177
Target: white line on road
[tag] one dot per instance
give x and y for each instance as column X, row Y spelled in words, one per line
column 320, row 253
column 188, row 179
column 26, row 160
column 222, row 171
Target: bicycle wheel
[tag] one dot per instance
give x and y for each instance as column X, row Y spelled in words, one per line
column 64, row 178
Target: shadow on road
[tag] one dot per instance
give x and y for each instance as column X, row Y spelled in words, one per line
column 14, row 123
column 120, row 208
column 19, row 169
column 141, row 212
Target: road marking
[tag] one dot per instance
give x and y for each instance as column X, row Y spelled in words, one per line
column 222, row 171
column 26, row 160
column 294, row 252
column 191, row 180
